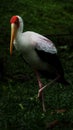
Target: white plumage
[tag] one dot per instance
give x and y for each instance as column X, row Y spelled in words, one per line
column 33, row 39
column 27, row 42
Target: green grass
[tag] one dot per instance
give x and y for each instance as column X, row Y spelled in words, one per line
column 19, row 107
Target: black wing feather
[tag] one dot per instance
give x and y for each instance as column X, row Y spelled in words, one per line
column 51, row 59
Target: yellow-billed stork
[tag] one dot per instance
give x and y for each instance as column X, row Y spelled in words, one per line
column 39, row 52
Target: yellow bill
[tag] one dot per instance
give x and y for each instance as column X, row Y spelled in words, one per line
column 13, row 35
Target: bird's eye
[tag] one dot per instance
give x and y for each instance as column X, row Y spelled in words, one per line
column 16, row 21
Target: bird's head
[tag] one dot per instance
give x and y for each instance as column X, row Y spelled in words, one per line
column 14, row 27
column 15, row 24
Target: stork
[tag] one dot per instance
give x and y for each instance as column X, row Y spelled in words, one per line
column 39, row 52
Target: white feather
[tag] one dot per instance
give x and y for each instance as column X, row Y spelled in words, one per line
column 27, row 42
column 43, row 43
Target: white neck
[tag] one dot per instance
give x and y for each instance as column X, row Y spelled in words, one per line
column 18, row 39
column 20, row 25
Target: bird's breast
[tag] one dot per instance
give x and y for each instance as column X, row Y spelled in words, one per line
column 22, row 45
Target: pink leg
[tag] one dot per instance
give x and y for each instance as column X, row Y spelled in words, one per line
column 40, row 94
column 43, row 87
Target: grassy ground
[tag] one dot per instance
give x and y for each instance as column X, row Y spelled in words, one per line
column 19, row 107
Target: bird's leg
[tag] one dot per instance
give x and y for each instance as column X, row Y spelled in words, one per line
column 40, row 94
column 41, row 89
column 40, row 84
